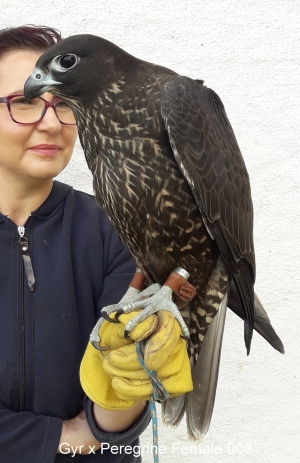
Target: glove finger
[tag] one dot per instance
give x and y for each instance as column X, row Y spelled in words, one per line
column 177, row 385
column 113, row 371
column 132, row 389
column 125, row 358
column 112, row 334
column 180, row 381
column 143, row 329
column 176, row 379
column 91, row 376
column 173, row 365
column 97, row 384
column 163, row 341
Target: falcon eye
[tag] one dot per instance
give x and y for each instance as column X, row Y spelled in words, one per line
column 68, row 61
column 63, row 63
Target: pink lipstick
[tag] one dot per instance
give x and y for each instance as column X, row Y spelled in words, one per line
column 46, row 150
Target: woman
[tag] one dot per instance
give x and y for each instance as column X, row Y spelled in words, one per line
column 60, row 264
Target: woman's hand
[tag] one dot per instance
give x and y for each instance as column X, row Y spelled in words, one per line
column 76, row 437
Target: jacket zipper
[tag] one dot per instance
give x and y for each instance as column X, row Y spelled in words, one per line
column 22, row 339
column 25, row 257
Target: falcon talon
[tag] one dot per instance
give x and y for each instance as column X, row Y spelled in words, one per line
column 98, row 347
column 107, row 318
column 94, row 336
column 118, row 314
column 126, row 334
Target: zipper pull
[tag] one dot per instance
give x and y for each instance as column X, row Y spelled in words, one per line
column 26, row 258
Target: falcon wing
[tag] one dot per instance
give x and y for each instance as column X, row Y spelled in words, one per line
column 209, row 158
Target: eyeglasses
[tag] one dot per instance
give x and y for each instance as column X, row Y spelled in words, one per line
column 27, row 112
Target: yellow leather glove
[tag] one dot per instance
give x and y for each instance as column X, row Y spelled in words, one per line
column 95, row 382
column 114, row 379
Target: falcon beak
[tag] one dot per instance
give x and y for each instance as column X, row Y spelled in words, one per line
column 37, row 83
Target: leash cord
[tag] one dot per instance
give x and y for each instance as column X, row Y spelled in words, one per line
column 159, row 393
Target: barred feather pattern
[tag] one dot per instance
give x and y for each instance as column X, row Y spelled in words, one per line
column 147, row 199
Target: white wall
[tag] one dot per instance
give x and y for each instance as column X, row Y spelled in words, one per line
column 249, row 53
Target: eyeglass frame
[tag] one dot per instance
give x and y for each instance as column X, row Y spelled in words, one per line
column 48, row 104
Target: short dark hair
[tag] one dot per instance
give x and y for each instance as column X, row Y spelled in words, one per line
column 28, row 37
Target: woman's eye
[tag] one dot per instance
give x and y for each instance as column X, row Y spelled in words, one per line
column 22, row 101
column 62, row 104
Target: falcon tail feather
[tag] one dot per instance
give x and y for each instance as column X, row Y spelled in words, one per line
column 263, row 326
column 262, row 323
column 172, row 410
column 200, row 401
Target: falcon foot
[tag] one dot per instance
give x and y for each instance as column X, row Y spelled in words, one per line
column 161, row 300
column 132, row 295
column 151, row 300
column 127, row 300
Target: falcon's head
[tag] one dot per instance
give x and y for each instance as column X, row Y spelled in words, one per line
column 77, row 68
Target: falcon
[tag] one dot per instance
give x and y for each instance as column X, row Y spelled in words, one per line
column 168, row 172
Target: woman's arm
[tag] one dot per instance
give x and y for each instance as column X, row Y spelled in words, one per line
column 117, row 420
column 26, row 437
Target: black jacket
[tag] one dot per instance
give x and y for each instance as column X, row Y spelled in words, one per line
column 79, row 266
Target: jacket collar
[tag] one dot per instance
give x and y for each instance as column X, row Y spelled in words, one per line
column 54, row 201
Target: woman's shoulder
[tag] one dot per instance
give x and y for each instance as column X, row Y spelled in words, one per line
column 86, row 201
column 87, row 218
column 90, row 215
column 83, row 202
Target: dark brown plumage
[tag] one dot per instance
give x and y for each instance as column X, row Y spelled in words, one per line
column 167, row 170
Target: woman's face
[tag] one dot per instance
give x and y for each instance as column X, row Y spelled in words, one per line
column 37, row 151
